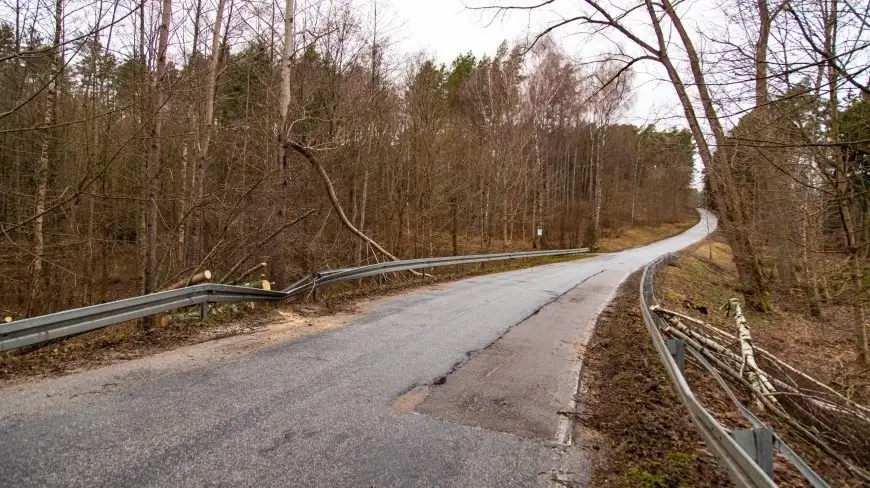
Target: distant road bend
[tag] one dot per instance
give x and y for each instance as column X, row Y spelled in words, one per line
column 455, row 384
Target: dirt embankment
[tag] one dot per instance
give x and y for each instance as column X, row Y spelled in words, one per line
column 633, row 425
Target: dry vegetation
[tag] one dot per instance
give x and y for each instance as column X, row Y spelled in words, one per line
column 626, row 237
column 699, row 285
column 777, row 100
column 143, row 142
column 633, row 425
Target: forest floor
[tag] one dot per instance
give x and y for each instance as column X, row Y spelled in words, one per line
column 336, row 305
column 633, row 425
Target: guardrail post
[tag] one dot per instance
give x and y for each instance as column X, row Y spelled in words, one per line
column 677, row 348
column 380, row 279
column 315, row 294
column 204, row 309
column 758, row 444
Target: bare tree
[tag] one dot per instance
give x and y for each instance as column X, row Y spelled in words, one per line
column 153, row 161
column 46, row 152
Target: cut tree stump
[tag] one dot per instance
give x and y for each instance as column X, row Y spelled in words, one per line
column 200, row 277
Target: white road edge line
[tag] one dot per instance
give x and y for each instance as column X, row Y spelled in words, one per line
column 564, row 431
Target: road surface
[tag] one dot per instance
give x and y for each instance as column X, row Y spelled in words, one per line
column 457, row 384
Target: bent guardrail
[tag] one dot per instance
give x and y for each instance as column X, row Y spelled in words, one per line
column 37, row 330
column 743, row 470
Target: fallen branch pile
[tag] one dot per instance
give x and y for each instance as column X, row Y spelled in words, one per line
column 824, row 417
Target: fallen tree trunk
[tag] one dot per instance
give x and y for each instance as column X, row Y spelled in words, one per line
column 200, row 277
column 760, row 382
column 765, row 400
column 261, row 284
column 767, row 355
column 336, row 204
column 678, row 329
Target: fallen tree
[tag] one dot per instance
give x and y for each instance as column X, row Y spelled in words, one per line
column 336, row 204
column 195, row 279
column 824, row 417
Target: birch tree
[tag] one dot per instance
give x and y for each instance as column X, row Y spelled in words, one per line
column 46, row 150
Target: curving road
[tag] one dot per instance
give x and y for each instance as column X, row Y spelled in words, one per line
column 451, row 385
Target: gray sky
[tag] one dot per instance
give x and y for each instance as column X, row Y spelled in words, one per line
column 445, row 28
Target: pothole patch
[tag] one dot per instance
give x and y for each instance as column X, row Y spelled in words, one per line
column 407, row 403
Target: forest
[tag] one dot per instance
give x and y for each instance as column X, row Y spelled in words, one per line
column 777, row 100
column 144, row 142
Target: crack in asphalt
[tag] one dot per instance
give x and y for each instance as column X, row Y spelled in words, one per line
column 440, row 380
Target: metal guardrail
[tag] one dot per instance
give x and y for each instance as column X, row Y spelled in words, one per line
column 37, row 330
column 743, row 470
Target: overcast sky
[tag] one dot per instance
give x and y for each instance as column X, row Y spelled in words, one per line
column 445, row 28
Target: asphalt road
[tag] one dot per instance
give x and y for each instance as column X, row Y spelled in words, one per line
column 489, row 361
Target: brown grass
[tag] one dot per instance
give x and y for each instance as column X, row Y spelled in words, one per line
column 626, row 238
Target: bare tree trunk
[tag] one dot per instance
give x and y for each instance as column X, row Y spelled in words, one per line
column 211, row 94
column 207, row 120
column 188, row 171
column 718, row 165
column 810, row 287
column 764, row 21
column 634, row 182
column 46, row 148
column 843, row 188
column 182, row 206
column 596, row 219
column 454, row 224
column 153, row 161
column 537, row 207
column 284, row 106
column 362, row 213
